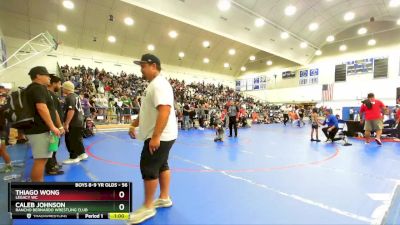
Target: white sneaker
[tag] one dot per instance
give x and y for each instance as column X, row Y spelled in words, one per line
column 83, row 156
column 141, row 215
column 162, row 203
column 72, row 161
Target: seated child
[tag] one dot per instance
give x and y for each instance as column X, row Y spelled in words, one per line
column 219, row 132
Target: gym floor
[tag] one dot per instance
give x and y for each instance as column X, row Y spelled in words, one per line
column 270, row 174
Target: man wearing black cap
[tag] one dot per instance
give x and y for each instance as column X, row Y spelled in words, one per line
column 45, row 118
column 159, row 129
column 373, row 111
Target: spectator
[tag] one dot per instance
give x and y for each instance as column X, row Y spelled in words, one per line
column 52, row 167
column 372, row 109
column 126, row 106
column 102, row 103
column 96, row 83
column 86, row 105
column 93, row 108
column 45, row 113
column 110, row 110
column 398, row 120
column 73, row 124
column 186, row 118
column 119, row 110
column 4, row 107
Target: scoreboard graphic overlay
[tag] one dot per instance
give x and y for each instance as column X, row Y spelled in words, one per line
column 70, row 200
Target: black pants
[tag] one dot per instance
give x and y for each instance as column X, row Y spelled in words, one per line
column 351, row 116
column 74, row 142
column 330, row 135
column 151, row 165
column 285, row 118
column 52, row 162
column 232, row 123
column 201, row 122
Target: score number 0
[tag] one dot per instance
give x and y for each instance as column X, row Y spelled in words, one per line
column 121, row 195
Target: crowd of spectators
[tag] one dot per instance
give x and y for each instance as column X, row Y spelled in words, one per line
column 112, row 98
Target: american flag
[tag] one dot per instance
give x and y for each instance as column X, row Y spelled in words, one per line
column 327, row 92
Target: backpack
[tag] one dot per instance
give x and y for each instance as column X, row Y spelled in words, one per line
column 21, row 114
column 368, row 103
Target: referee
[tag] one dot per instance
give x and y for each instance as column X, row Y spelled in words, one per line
column 158, row 129
column 233, row 112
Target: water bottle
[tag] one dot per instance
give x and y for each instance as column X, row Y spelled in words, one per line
column 53, row 146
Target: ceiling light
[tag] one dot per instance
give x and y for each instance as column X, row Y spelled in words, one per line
column 129, row 21
column 181, row 54
column 224, row 5
column 318, row 52
column 150, row 47
column 111, row 39
column 173, row 34
column 349, row 16
column 226, row 65
column 394, row 3
column 330, row 38
column 398, row 22
column 303, row 45
column 290, row 10
column 252, row 58
column 61, row 27
column 232, row 51
column 206, row 60
column 68, row 4
column 372, row 42
column 284, row 35
column 313, row 26
column 243, row 68
column 343, row 48
column 259, row 22
column 269, row 62
column 362, row 31
column 206, row 44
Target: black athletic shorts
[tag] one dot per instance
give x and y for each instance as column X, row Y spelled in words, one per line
column 314, row 126
column 152, row 165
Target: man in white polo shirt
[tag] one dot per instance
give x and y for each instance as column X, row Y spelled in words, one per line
column 158, row 129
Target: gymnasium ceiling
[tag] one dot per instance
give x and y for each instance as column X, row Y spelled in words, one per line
column 198, row 20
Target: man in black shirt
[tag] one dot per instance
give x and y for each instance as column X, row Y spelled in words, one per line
column 52, row 167
column 4, row 130
column 45, row 116
column 73, row 124
column 233, row 113
column 186, row 116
